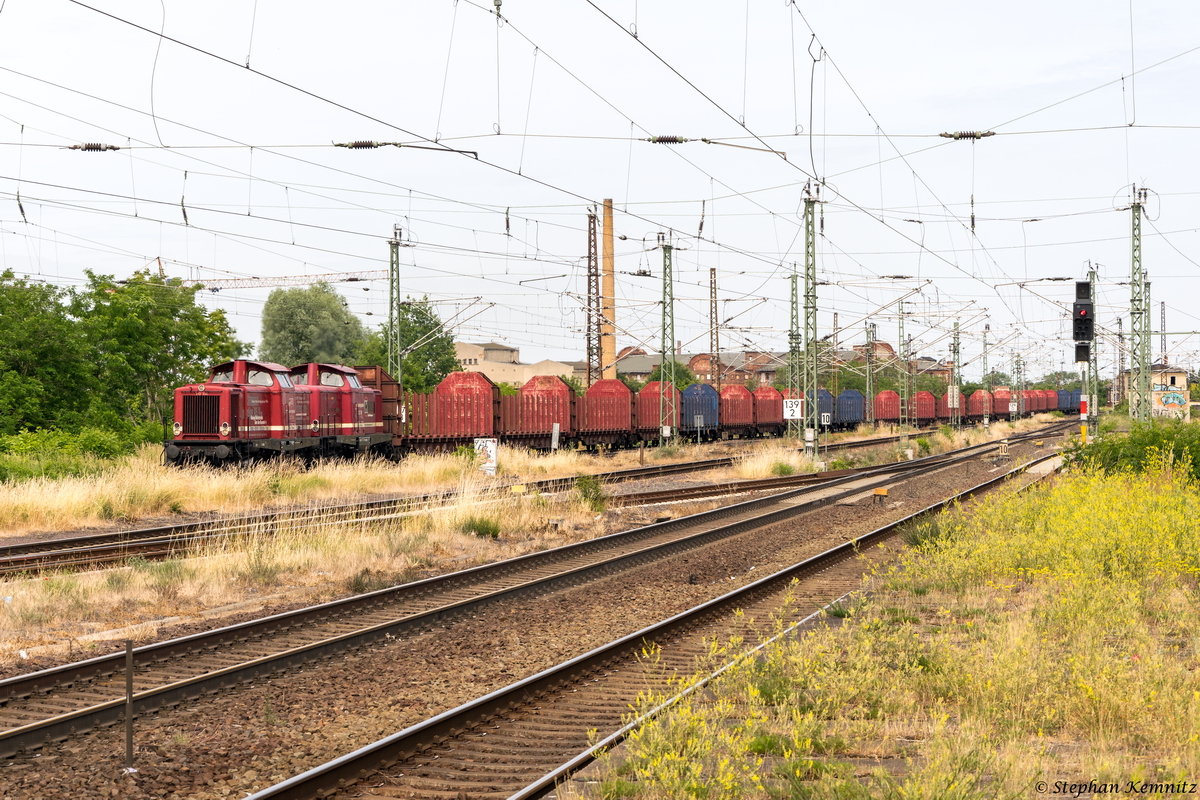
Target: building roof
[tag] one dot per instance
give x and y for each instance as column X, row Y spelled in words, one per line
column 734, row 359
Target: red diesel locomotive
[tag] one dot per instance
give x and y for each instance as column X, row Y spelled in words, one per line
column 255, row 409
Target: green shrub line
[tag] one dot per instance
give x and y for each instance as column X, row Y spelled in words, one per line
column 54, row 453
column 1146, row 444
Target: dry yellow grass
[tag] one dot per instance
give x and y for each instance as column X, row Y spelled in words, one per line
column 141, row 487
column 299, row 563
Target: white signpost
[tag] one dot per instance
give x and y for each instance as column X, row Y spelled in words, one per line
column 793, row 408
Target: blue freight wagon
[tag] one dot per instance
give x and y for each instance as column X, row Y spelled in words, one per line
column 699, row 409
column 849, row 410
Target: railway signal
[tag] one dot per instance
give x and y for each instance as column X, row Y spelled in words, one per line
column 1083, row 324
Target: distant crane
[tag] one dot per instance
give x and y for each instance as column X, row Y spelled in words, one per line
column 292, row 280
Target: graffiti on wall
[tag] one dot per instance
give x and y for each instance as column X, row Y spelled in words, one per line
column 1170, row 404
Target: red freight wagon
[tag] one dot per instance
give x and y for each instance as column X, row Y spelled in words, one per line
column 607, row 407
column 648, row 411
column 1051, row 400
column 463, row 407
column 768, row 411
column 245, row 409
column 1032, row 401
column 374, row 377
column 1002, row 400
column 737, row 410
column 604, row 415
column 887, row 406
column 979, row 404
column 944, row 410
column 528, row 417
column 924, row 408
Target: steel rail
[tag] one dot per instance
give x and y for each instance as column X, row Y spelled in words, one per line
column 553, row 779
column 14, row 740
column 350, row 768
column 103, row 665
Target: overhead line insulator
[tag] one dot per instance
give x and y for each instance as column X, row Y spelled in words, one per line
column 667, row 140
column 361, row 144
column 93, row 147
column 956, row 135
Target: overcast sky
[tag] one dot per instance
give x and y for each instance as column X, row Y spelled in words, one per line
column 555, row 100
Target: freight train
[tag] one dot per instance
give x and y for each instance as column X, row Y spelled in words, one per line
column 248, row 410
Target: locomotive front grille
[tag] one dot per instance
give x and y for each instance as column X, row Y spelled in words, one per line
column 201, row 414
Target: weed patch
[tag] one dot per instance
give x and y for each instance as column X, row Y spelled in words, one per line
column 484, row 527
column 590, row 492
column 1035, row 638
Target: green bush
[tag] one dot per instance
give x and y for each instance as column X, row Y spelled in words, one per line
column 54, row 453
column 1146, row 444
column 105, row 444
column 781, row 469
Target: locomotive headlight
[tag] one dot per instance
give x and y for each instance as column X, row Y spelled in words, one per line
column 178, row 428
column 224, row 428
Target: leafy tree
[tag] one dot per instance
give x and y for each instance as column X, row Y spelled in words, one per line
column 1059, row 380
column 633, row 383
column 930, row 383
column 684, row 377
column 46, row 375
column 507, row 389
column 146, row 336
column 995, row 379
column 308, row 324
column 574, row 384
column 429, row 347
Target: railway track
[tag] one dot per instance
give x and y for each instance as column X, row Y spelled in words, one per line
column 523, row 740
column 98, row 550
column 55, row 704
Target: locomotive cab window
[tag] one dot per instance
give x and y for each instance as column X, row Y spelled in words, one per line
column 300, row 380
column 221, row 376
column 356, row 385
column 332, row 379
column 284, row 380
column 258, row 377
